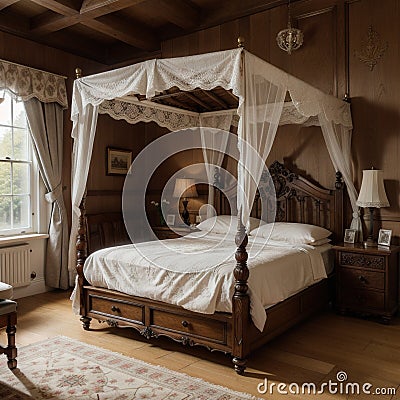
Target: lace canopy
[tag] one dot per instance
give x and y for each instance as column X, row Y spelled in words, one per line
column 260, row 88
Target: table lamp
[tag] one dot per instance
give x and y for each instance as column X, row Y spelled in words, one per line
column 372, row 195
column 186, row 188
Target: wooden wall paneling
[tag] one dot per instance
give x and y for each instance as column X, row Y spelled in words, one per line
column 315, row 61
column 118, row 134
column 229, row 32
column 376, row 99
column 305, row 150
column 260, row 34
column 304, row 147
column 209, row 40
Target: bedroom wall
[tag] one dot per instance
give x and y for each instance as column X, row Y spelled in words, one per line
column 333, row 31
column 26, row 52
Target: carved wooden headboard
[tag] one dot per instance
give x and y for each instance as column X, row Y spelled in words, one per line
column 105, row 230
column 297, row 199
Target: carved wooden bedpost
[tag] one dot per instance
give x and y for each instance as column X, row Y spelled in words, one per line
column 81, row 254
column 81, row 248
column 240, row 301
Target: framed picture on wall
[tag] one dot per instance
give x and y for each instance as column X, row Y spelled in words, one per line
column 118, row 161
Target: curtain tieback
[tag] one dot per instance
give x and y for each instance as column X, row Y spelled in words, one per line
column 54, row 195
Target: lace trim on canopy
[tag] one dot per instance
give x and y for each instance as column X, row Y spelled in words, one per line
column 25, row 83
column 173, row 120
column 310, row 101
column 134, row 113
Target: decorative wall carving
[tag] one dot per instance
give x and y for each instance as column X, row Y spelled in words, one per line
column 372, row 49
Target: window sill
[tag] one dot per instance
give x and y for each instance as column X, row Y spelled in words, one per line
column 15, row 239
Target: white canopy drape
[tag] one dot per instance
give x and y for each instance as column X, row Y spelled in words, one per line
column 260, row 87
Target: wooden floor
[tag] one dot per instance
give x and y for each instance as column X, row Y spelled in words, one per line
column 312, row 352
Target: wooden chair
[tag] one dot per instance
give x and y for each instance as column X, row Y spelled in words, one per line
column 8, row 319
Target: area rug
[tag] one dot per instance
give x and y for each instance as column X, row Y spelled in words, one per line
column 62, row 368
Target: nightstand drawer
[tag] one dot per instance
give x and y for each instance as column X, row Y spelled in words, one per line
column 363, row 298
column 362, row 279
column 362, row 260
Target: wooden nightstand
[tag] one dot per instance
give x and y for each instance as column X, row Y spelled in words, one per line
column 367, row 279
column 164, row 232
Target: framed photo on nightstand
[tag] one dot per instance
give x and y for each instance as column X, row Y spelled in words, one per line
column 384, row 237
column 170, row 219
column 349, row 236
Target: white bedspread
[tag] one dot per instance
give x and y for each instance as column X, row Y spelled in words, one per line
column 196, row 272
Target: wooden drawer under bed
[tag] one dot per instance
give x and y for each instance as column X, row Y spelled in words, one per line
column 154, row 319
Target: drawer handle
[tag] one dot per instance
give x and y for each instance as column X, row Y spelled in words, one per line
column 185, row 324
column 115, row 309
column 362, row 279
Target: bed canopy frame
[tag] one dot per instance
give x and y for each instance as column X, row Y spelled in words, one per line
column 210, row 90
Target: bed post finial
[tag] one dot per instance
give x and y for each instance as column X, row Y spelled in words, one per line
column 78, row 73
column 346, row 98
column 240, row 41
column 240, row 301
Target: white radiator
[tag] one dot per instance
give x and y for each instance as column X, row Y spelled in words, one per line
column 15, row 265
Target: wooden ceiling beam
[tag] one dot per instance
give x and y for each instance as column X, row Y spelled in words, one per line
column 179, row 12
column 127, row 32
column 5, row 3
column 49, row 22
column 232, row 95
column 97, row 8
column 215, row 98
column 63, row 7
column 176, row 103
column 201, row 103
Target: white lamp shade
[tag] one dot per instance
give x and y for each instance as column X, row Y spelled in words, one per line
column 185, row 187
column 372, row 192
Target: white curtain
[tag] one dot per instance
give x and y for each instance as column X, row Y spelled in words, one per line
column 214, row 148
column 83, row 133
column 338, row 142
column 46, row 128
column 264, row 91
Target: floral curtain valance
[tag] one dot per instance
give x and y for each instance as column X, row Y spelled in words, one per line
column 26, row 83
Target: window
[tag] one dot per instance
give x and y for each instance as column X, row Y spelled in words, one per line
column 16, row 170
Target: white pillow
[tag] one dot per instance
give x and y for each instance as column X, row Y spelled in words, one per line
column 225, row 224
column 320, row 242
column 292, row 232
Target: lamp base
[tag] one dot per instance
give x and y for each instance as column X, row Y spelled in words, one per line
column 370, row 243
column 185, row 213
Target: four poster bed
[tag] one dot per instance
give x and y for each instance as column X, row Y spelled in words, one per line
column 237, row 84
